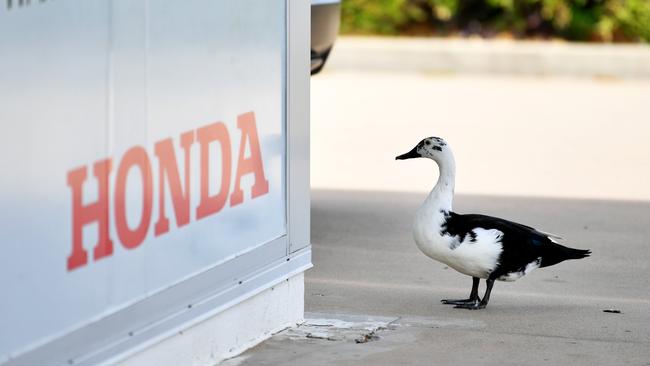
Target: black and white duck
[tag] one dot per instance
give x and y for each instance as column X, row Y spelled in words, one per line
column 479, row 246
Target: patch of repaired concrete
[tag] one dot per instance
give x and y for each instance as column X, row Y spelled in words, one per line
column 341, row 338
column 338, row 327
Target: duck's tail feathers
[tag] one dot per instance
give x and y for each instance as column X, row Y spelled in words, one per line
column 562, row 253
column 572, row 253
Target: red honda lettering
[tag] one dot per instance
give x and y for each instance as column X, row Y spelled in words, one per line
column 83, row 215
column 167, row 167
column 212, row 204
column 253, row 164
column 134, row 157
column 178, row 186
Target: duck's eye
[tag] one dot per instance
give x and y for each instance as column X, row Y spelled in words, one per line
column 427, row 142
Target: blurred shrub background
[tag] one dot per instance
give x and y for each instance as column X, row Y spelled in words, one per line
column 578, row 20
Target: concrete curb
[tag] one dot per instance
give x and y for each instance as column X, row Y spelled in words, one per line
column 537, row 58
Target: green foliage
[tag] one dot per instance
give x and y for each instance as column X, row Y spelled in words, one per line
column 633, row 16
column 604, row 20
column 378, row 16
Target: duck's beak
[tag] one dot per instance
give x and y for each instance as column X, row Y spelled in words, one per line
column 409, row 155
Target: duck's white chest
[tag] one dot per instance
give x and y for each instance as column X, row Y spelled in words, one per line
column 475, row 255
column 427, row 234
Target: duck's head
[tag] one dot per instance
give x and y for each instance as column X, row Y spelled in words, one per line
column 430, row 147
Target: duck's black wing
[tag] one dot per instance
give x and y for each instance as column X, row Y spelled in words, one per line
column 521, row 244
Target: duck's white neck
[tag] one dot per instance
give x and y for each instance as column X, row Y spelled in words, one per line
column 442, row 194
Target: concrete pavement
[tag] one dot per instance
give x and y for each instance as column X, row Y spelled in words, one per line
column 370, row 277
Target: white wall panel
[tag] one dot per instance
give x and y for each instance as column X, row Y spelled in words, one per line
column 86, row 81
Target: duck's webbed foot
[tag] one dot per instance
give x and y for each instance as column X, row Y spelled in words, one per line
column 459, row 301
column 476, row 305
column 473, row 296
column 479, row 304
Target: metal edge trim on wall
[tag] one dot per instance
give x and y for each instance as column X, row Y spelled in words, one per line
column 163, row 315
column 299, row 67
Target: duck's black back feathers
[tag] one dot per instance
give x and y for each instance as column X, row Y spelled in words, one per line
column 521, row 244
